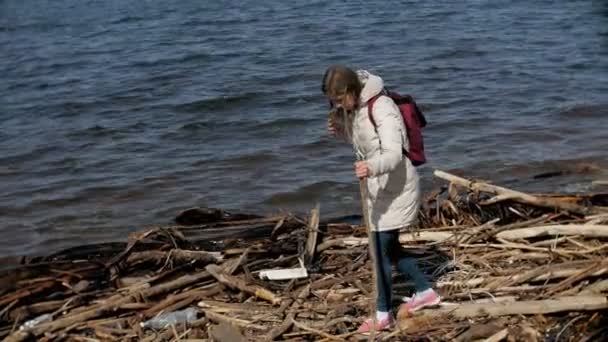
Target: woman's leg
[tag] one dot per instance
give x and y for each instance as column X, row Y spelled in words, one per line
column 425, row 296
column 384, row 280
column 408, row 266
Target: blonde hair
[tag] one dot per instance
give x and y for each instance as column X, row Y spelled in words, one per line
column 339, row 81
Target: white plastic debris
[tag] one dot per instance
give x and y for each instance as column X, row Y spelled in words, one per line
column 170, row 318
column 286, row 273
column 38, row 320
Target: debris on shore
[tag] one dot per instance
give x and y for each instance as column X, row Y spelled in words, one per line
column 509, row 266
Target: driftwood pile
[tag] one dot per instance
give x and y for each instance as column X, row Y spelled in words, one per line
column 509, row 266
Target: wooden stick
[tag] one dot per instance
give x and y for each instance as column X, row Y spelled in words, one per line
column 236, row 283
column 514, row 195
column 318, row 332
column 372, row 254
column 499, row 336
column 571, row 229
column 577, row 277
column 529, row 307
column 313, row 233
column 218, row 317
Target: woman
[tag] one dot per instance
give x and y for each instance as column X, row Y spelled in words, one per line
column 392, row 181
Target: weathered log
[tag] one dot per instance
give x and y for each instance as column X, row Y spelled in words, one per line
column 236, row 283
column 572, row 229
column 504, row 194
column 404, row 238
column 528, row 307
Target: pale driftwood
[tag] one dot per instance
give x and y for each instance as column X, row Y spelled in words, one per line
column 236, row 283
column 600, row 266
column 554, row 273
column 529, row 307
column 219, row 318
column 595, row 288
column 233, row 267
column 313, row 234
column 403, row 238
column 504, row 193
column 571, row 229
column 499, row 336
column 220, row 307
column 318, row 332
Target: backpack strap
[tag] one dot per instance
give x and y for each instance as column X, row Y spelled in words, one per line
column 370, row 105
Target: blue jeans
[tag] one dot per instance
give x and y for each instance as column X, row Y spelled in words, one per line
column 389, row 252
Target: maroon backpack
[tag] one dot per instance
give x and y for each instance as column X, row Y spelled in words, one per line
column 414, row 122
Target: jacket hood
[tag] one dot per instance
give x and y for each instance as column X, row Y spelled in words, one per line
column 372, row 86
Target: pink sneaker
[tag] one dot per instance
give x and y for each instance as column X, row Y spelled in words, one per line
column 366, row 327
column 421, row 300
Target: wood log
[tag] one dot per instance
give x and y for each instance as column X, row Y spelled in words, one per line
column 554, row 272
column 529, row 307
column 571, row 229
column 404, row 238
column 518, row 196
column 239, row 284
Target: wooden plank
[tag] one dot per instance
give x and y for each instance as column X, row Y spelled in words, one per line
column 313, row 234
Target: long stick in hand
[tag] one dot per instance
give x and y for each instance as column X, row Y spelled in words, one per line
column 372, row 252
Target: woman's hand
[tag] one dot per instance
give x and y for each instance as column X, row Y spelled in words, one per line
column 362, row 169
column 333, row 127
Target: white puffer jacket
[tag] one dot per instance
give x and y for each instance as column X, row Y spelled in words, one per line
column 393, row 187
